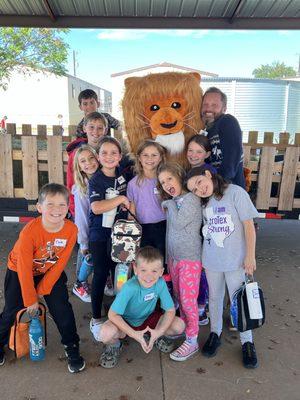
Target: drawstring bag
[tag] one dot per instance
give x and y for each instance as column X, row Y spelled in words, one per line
column 126, row 239
column 247, row 302
column 19, row 332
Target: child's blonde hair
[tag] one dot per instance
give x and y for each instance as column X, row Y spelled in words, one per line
column 80, row 177
column 174, row 169
column 138, row 168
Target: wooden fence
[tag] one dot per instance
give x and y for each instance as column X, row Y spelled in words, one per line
column 275, row 167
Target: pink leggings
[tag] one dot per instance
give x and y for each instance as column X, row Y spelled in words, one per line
column 185, row 276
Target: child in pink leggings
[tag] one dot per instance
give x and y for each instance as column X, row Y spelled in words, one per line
column 184, row 218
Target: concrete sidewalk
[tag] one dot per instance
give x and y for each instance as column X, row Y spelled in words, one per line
column 155, row 376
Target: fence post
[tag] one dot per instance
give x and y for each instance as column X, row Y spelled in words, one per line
column 288, row 180
column 30, row 167
column 55, row 161
column 26, row 130
column 6, row 166
column 265, row 178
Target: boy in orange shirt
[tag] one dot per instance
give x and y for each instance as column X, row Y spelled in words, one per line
column 36, row 269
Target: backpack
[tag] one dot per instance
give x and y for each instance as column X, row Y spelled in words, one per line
column 126, row 239
column 239, row 310
column 19, row 332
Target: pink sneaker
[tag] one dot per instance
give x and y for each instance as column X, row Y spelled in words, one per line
column 185, row 351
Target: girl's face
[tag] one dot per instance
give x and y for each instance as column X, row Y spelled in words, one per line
column 201, row 185
column 170, row 183
column 150, row 158
column 109, row 155
column 87, row 162
column 196, row 154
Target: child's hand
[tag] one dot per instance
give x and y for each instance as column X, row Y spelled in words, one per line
column 139, row 337
column 154, row 335
column 33, row 309
column 249, row 265
column 125, row 202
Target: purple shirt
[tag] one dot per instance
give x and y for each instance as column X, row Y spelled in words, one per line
column 146, row 199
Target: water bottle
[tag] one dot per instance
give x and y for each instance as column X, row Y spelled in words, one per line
column 36, row 340
column 85, row 268
column 253, row 299
column 121, row 275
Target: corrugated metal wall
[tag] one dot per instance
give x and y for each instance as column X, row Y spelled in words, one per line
column 261, row 105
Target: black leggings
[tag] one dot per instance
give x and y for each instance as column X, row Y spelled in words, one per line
column 57, row 302
column 102, row 265
column 155, row 235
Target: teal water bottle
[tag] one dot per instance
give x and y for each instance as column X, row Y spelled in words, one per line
column 36, row 340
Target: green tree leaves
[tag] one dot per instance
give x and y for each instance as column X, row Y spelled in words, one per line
column 276, row 70
column 32, row 48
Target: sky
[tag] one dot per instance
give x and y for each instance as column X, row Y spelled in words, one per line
column 102, row 52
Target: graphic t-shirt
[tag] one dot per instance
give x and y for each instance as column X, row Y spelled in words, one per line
column 98, row 186
column 37, row 252
column 135, row 303
column 224, row 246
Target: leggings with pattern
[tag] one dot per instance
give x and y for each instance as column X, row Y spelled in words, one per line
column 185, row 276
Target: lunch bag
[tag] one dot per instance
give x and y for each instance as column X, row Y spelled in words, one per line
column 19, row 332
column 126, row 239
column 239, row 309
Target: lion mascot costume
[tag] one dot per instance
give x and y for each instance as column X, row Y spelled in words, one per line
column 164, row 107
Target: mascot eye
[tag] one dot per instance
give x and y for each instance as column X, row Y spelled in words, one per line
column 176, row 105
column 154, row 107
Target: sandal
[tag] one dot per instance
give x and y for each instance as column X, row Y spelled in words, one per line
column 164, row 344
column 110, row 356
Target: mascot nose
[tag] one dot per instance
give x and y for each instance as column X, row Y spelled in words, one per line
column 169, row 126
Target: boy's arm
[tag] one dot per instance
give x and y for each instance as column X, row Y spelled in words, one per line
column 24, row 269
column 250, row 237
column 52, row 275
column 122, row 325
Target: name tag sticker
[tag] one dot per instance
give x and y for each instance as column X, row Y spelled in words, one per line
column 60, row 242
column 155, row 190
column 149, row 296
column 121, row 179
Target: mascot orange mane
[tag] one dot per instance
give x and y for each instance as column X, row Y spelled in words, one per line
column 164, row 107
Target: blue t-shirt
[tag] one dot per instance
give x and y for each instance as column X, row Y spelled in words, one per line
column 135, row 303
column 98, row 185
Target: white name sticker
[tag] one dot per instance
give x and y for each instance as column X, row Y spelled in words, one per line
column 121, row 179
column 149, row 296
column 155, row 190
column 60, row 242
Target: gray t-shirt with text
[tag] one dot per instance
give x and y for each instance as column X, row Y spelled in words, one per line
column 224, row 246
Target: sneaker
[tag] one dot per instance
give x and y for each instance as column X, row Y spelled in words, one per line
column 185, row 351
column 2, row 357
column 203, row 319
column 80, row 291
column 95, row 328
column 110, row 356
column 249, row 355
column 109, row 291
column 165, row 344
column 211, row 345
column 87, row 287
column 75, row 362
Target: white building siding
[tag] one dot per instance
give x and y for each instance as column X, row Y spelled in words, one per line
column 39, row 97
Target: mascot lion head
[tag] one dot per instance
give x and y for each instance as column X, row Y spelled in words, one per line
column 164, row 107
